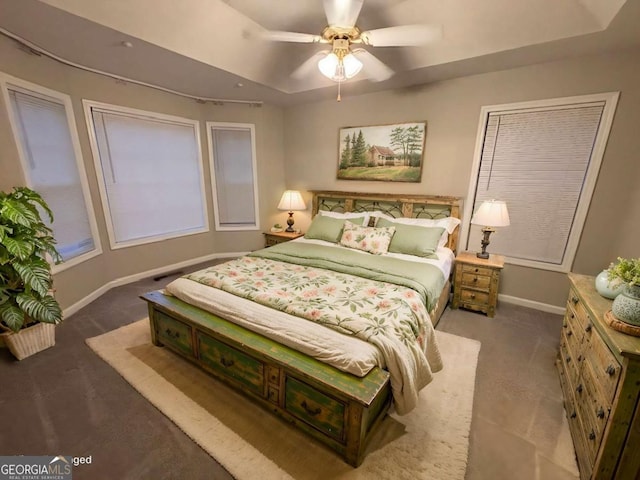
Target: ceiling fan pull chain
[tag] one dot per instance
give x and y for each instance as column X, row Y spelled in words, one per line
column 339, row 83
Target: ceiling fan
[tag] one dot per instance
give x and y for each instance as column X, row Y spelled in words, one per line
column 342, row 61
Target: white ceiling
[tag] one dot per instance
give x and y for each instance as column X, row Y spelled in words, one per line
column 205, row 48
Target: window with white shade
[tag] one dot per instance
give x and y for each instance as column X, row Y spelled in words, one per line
column 541, row 158
column 150, row 174
column 233, row 171
column 47, row 140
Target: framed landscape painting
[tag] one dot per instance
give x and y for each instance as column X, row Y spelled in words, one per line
column 388, row 153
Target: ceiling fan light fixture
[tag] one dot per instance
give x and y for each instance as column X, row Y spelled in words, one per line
column 329, row 66
column 352, row 65
column 339, row 69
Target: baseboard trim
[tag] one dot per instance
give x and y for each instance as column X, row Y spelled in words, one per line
column 523, row 302
column 118, row 282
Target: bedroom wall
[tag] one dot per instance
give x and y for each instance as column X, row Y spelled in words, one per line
column 76, row 283
column 451, row 109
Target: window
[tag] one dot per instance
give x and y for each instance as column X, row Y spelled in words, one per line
column 542, row 159
column 233, row 171
column 150, row 174
column 45, row 132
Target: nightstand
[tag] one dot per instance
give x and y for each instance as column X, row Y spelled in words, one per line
column 273, row 238
column 475, row 282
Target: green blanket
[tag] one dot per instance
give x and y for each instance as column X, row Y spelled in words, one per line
column 426, row 279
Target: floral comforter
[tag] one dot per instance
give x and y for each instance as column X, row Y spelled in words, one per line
column 392, row 317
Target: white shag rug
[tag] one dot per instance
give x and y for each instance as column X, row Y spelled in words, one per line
column 431, row 442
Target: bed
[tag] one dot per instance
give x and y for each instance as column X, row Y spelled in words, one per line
column 238, row 323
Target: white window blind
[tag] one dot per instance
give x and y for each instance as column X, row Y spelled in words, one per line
column 151, row 175
column 51, row 169
column 542, row 162
column 234, row 177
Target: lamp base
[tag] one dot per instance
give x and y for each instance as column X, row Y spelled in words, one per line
column 486, row 232
column 290, row 223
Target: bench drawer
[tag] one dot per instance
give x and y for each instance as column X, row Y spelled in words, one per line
column 315, row 408
column 233, row 364
column 174, row 333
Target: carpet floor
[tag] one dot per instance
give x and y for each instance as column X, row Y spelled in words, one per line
column 431, row 442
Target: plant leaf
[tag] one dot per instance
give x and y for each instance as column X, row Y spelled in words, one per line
column 35, row 274
column 46, row 310
column 19, row 213
column 12, row 317
column 18, row 247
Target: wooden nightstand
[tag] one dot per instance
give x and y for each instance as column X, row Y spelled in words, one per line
column 272, row 238
column 475, row 283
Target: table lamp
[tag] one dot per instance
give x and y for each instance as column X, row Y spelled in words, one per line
column 492, row 213
column 291, row 200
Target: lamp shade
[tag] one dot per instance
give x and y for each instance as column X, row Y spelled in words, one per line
column 492, row 213
column 291, row 200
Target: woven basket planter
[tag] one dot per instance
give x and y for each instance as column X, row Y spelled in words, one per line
column 31, row 340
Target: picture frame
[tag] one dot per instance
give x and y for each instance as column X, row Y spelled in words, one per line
column 386, row 153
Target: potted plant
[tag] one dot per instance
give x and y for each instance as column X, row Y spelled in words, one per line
column 28, row 309
column 626, row 306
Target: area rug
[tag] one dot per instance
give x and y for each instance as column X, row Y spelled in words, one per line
column 431, row 442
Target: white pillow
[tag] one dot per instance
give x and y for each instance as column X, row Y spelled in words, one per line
column 346, row 216
column 448, row 223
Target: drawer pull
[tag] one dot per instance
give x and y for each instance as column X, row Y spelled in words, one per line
column 568, row 358
column 226, row 363
column 592, row 435
column 476, row 270
column 588, row 328
column 574, row 300
column 475, row 279
column 473, row 296
column 573, row 315
column 311, row 411
column 574, row 414
column 579, row 358
column 611, row 370
column 565, row 325
column 569, row 333
column 600, row 412
column 171, row 333
column 579, row 389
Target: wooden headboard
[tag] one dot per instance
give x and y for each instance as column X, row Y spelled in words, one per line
column 394, row 205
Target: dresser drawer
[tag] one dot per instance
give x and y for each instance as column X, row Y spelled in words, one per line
column 476, row 281
column 473, row 270
column 231, row 363
column 474, row 297
column 315, row 408
column 570, row 360
column 593, row 412
column 605, row 367
column 174, row 333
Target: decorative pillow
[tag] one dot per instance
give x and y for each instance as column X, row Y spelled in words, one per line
column 328, row 229
column 413, row 239
column 448, row 223
column 368, row 239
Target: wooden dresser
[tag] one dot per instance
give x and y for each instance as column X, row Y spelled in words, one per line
column 600, row 376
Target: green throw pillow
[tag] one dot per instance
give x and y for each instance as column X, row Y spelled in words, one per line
column 412, row 239
column 329, row 229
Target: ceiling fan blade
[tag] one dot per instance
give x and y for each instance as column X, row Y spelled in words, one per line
column 402, row 36
column 279, row 36
column 373, row 68
column 308, row 66
column 342, row 13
